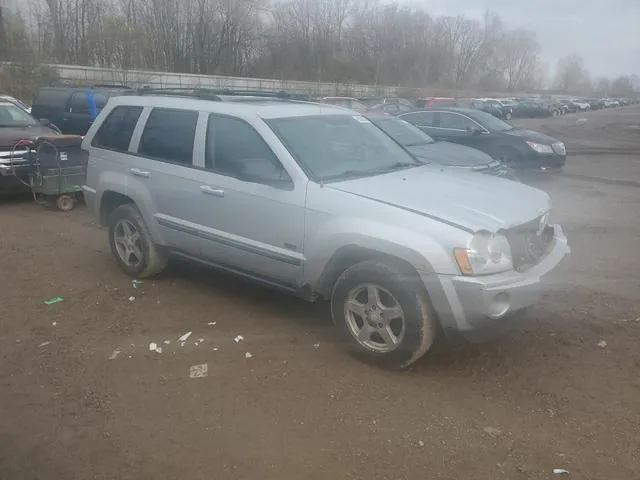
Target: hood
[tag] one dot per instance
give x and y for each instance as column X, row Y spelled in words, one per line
column 532, row 136
column 467, row 200
column 451, row 155
column 10, row 135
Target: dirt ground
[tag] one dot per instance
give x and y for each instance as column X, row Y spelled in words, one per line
column 544, row 396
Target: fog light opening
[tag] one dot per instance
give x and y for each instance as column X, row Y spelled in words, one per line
column 500, row 305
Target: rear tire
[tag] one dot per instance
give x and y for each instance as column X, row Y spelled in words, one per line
column 395, row 326
column 132, row 245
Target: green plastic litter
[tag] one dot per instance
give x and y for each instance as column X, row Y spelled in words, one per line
column 53, row 301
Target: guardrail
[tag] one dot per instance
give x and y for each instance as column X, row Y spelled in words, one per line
column 139, row 78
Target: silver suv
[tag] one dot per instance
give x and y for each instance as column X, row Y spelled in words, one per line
column 317, row 201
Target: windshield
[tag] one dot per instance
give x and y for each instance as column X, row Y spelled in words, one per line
column 13, row 116
column 490, row 122
column 337, row 147
column 403, row 132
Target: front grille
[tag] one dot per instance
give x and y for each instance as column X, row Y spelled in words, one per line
column 11, row 158
column 529, row 243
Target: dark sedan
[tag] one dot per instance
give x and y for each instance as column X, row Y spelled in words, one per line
column 429, row 150
column 531, row 109
column 518, row 148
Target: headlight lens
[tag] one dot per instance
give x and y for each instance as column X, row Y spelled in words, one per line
column 487, row 253
column 540, row 147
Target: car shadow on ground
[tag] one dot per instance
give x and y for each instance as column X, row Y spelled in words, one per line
column 315, row 318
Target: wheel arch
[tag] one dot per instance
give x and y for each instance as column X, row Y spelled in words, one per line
column 109, row 201
column 350, row 255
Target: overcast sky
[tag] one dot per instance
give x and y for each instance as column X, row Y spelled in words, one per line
column 605, row 32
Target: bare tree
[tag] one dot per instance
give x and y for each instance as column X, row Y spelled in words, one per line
column 346, row 41
column 571, row 75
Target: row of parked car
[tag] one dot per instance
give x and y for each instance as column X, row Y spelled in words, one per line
column 503, row 108
column 322, row 201
column 463, row 138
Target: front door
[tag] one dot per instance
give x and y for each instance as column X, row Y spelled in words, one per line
column 252, row 213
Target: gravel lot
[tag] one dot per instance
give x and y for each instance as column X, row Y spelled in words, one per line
column 544, row 396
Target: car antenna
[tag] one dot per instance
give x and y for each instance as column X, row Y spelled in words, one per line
column 322, row 181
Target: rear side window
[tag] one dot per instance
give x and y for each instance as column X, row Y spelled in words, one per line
column 169, row 135
column 116, row 131
column 421, row 119
column 52, row 98
column 454, row 121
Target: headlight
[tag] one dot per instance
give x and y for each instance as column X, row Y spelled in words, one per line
column 486, row 253
column 540, row 147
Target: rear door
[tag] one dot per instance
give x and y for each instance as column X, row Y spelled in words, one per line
column 110, row 152
column 428, row 122
column 164, row 170
column 466, row 131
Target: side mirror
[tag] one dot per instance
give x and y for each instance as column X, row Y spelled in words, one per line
column 264, row 171
column 45, row 121
column 473, row 131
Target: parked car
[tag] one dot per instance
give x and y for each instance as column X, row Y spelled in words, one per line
column 67, row 107
column 16, row 125
column 517, row 148
column 596, row 103
column 15, row 101
column 611, row 103
column 501, row 108
column 346, row 102
column 428, row 150
column 392, row 106
column 491, row 107
column 320, row 203
column 533, row 109
column 570, row 106
column 429, row 102
column 583, row 105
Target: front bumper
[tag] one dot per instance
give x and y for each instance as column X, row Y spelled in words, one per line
column 544, row 162
column 466, row 304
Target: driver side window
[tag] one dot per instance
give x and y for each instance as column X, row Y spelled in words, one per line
column 235, row 149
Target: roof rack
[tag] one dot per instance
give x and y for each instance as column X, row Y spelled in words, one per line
column 97, row 85
column 217, row 94
column 111, row 85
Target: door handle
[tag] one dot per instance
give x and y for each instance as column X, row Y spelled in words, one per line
column 216, row 192
column 139, row 173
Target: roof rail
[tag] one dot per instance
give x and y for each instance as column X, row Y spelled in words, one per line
column 99, row 85
column 215, row 94
column 111, row 85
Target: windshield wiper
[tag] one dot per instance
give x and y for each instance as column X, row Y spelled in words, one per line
column 394, row 167
column 347, row 174
column 417, row 144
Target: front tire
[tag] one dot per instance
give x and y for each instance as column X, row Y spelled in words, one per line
column 383, row 314
column 132, row 245
column 510, row 157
